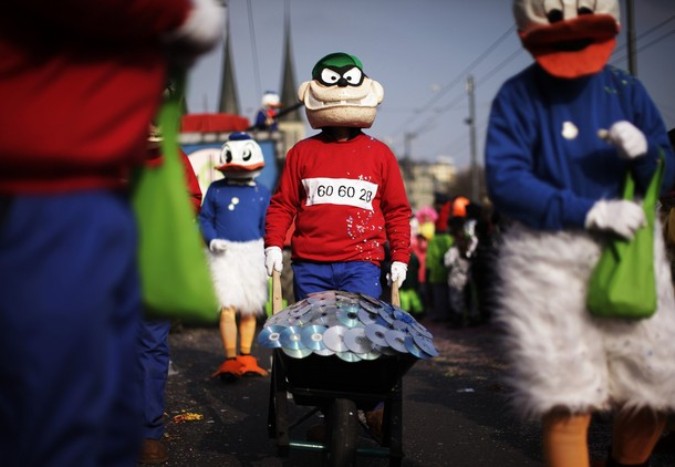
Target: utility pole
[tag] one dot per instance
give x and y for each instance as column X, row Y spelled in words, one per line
column 406, row 163
column 471, row 121
column 630, row 21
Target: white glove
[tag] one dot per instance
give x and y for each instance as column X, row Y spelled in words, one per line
column 274, row 259
column 201, row 31
column 620, row 216
column 397, row 273
column 628, row 139
column 218, row 245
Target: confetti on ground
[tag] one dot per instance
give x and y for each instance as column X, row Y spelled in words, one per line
column 187, row 417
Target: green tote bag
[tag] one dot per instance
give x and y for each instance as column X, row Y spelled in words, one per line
column 623, row 283
column 175, row 278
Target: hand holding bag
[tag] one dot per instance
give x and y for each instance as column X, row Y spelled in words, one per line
column 623, row 283
column 175, row 279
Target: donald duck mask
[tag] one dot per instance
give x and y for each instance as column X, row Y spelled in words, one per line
column 568, row 38
column 241, row 157
column 340, row 94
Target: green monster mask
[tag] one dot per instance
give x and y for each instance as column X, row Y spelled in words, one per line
column 340, row 94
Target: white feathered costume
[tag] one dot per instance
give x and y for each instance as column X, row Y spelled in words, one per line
column 232, row 222
column 550, row 173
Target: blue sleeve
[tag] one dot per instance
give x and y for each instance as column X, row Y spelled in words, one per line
column 207, row 216
column 647, row 118
column 510, row 167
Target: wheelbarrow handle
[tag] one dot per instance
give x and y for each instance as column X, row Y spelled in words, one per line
column 395, row 298
column 277, row 298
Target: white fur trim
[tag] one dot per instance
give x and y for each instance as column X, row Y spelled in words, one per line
column 239, row 276
column 560, row 356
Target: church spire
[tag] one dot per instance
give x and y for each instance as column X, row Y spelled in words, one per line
column 289, row 96
column 229, row 101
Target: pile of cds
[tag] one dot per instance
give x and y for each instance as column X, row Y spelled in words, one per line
column 353, row 327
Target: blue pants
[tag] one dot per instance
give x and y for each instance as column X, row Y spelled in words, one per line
column 353, row 276
column 69, row 315
column 153, row 358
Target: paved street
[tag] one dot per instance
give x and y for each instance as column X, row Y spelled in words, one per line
column 454, row 410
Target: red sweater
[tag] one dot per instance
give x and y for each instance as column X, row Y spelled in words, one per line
column 347, row 198
column 79, row 82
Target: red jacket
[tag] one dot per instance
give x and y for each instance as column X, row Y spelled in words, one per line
column 79, row 82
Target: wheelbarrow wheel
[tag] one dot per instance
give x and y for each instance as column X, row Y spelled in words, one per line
column 343, row 426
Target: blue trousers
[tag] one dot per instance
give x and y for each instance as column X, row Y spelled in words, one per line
column 353, row 276
column 69, row 316
column 153, row 358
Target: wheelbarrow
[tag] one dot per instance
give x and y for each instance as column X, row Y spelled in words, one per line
column 340, row 384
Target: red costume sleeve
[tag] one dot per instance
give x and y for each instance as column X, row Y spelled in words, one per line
column 194, row 190
column 107, row 20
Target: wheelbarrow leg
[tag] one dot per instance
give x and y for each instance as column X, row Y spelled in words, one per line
column 393, row 426
column 279, row 397
column 342, row 426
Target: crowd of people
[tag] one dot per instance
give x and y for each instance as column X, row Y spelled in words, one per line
column 449, row 273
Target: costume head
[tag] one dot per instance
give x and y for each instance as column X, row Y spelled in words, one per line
column 240, row 157
column 270, row 100
column 568, row 38
column 340, row 94
column 426, row 217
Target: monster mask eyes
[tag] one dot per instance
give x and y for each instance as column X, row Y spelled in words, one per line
column 344, row 76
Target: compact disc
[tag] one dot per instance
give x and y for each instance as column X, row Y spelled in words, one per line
column 312, row 337
column 356, row 341
column 325, row 352
column 333, row 338
column 425, row 344
column 329, row 308
column 383, row 350
column 366, row 317
column 417, row 327
column 373, row 355
column 412, row 348
column 277, row 318
column 348, row 316
column 370, row 306
column 297, row 312
column 269, row 336
column 308, row 318
column 348, row 356
column 324, row 318
column 327, row 295
column 386, row 316
column 296, row 353
column 400, row 325
column 400, row 315
column 290, row 338
column 347, row 296
column 370, row 300
column 291, row 321
column 375, row 334
column 396, row 340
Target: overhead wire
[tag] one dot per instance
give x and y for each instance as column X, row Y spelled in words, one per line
column 461, row 97
column 618, row 52
column 644, row 47
column 458, row 79
column 644, row 34
column 254, row 47
column 493, row 72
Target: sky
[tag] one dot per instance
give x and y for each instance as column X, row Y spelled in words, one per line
column 422, row 52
